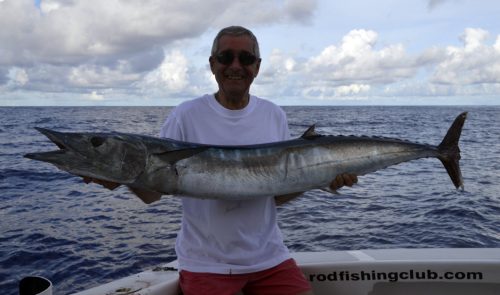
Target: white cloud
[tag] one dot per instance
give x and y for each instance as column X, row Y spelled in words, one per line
column 47, row 6
column 357, row 68
column 93, row 76
column 470, row 70
column 354, row 68
column 73, row 31
column 473, row 38
column 474, row 63
column 279, row 75
column 177, row 77
column 115, row 44
column 353, row 89
column 104, row 50
column 357, row 60
column 172, row 74
column 279, row 65
column 497, row 44
column 18, row 76
column 95, row 96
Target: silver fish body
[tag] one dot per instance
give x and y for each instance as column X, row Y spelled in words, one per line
column 163, row 166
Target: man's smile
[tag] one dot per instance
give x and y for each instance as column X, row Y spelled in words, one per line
column 234, row 76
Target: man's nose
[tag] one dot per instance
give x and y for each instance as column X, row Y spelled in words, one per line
column 236, row 62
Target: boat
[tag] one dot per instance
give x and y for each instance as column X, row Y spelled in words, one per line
column 442, row 271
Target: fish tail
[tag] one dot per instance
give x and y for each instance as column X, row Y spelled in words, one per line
column 449, row 152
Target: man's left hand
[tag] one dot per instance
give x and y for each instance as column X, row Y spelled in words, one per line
column 345, row 179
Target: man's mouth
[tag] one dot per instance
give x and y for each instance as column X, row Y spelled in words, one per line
column 235, row 77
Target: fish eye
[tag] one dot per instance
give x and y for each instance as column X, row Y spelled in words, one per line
column 97, row 141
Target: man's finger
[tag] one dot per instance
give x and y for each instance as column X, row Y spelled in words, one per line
column 345, row 179
column 350, row 179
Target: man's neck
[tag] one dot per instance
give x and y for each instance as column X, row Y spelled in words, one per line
column 232, row 103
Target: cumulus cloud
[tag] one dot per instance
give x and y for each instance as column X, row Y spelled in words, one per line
column 95, row 96
column 177, row 77
column 357, row 68
column 114, row 43
column 357, row 60
column 473, row 63
column 472, row 69
column 353, row 89
column 280, row 75
column 72, row 32
column 94, row 76
column 279, row 66
column 19, row 77
column 171, row 75
column 144, row 48
column 351, row 67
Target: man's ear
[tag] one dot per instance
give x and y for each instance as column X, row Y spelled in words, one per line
column 211, row 61
column 257, row 67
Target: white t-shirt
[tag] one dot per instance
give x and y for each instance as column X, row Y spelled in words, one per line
column 218, row 236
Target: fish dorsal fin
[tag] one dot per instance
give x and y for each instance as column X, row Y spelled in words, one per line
column 310, row 133
column 179, row 154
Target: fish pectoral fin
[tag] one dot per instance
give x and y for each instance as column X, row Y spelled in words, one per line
column 146, row 196
column 177, row 155
column 107, row 184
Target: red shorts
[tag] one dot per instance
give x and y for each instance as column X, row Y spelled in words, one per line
column 285, row 278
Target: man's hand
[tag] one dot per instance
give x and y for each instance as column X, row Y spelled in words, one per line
column 345, row 179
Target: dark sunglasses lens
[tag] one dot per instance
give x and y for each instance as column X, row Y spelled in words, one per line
column 247, row 59
column 225, row 58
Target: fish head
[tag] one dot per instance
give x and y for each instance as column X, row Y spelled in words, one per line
column 108, row 156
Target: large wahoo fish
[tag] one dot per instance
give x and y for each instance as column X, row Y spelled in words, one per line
column 152, row 167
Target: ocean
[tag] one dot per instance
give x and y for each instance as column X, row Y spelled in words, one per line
column 80, row 235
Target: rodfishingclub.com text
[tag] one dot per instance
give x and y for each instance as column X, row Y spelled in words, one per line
column 395, row 276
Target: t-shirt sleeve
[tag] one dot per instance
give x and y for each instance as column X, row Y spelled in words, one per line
column 284, row 127
column 171, row 128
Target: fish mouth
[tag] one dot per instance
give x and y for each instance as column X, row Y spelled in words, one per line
column 45, row 156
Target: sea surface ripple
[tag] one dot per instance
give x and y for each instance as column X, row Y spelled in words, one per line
column 79, row 236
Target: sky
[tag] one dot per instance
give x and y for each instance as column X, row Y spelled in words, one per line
column 314, row 52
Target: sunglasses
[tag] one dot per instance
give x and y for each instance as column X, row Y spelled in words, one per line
column 227, row 57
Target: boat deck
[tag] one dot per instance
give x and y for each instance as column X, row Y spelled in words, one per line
column 360, row 272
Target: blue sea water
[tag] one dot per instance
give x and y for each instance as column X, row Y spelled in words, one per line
column 81, row 235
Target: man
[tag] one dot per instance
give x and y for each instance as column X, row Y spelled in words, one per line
column 224, row 247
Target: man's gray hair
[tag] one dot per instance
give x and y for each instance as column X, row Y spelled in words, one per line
column 235, row 31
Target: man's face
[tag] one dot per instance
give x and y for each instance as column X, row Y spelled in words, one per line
column 235, row 77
